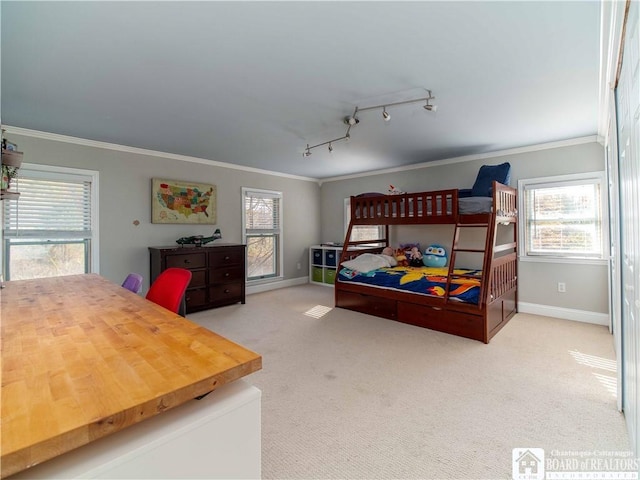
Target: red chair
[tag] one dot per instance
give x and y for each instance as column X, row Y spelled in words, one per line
column 168, row 289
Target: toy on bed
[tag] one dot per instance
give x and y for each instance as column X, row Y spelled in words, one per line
column 435, row 256
column 415, row 257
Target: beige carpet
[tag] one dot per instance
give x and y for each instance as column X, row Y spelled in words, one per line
column 347, row 395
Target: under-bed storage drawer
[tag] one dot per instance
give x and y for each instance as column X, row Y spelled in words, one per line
column 380, row 307
column 436, row 318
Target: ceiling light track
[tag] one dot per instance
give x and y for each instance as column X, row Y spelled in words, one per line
column 352, row 120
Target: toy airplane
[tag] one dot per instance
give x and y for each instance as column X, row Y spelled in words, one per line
column 199, row 240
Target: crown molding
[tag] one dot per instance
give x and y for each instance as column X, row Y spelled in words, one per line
column 470, row 158
column 143, row 151
column 184, row 158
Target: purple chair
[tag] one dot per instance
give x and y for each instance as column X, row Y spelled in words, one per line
column 133, row 282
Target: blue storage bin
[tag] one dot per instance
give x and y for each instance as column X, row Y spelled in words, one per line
column 317, row 256
column 330, row 258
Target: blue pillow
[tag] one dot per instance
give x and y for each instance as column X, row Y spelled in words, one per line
column 487, row 174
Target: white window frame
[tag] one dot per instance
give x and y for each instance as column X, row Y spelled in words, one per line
column 280, row 236
column 347, row 220
column 558, row 181
column 52, row 172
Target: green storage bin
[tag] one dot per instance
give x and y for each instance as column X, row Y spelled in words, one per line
column 330, row 275
column 317, row 274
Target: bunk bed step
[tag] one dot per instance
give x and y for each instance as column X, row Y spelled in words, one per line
column 463, row 223
column 472, row 250
column 504, row 247
column 466, row 275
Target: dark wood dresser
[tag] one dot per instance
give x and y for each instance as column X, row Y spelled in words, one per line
column 218, row 272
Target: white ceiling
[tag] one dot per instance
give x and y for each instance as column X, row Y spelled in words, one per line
column 252, row 83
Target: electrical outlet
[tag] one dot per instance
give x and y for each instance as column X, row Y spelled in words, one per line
column 299, row 266
column 562, row 287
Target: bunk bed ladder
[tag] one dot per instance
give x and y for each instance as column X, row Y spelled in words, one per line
column 487, row 252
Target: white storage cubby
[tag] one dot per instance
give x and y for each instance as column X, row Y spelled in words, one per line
column 323, row 264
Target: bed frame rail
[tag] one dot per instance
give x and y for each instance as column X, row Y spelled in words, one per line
column 408, row 208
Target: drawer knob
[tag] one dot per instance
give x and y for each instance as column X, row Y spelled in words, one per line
column 227, row 258
column 186, row 260
column 226, row 274
column 226, row 290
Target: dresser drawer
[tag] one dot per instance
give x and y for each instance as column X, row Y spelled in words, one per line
column 225, row 294
column 188, row 260
column 226, row 275
column 195, row 298
column 198, row 279
column 226, row 256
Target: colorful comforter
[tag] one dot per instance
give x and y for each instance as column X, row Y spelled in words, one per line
column 421, row 280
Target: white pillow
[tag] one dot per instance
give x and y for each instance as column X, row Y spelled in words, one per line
column 368, row 261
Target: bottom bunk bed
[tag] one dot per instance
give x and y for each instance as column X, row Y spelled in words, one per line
column 472, row 303
column 421, row 300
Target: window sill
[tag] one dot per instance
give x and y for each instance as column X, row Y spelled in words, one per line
column 564, row 260
column 260, row 281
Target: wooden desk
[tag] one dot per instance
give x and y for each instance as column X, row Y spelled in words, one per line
column 83, row 358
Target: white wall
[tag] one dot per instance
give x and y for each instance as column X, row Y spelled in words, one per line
column 587, row 286
column 125, row 196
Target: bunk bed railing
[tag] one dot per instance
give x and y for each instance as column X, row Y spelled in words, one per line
column 503, row 276
column 424, row 207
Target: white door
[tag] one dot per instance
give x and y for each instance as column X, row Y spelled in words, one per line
column 628, row 103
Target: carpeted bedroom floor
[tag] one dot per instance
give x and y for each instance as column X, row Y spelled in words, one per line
column 347, row 395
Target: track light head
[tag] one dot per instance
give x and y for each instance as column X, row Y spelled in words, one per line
column 307, row 152
column 428, row 106
column 330, row 147
column 351, row 121
column 385, row 114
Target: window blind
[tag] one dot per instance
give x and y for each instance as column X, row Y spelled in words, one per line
column 564, row 218
column 262, row 212
column 53, row 206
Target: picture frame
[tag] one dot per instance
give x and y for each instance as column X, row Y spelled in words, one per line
column 183, row 202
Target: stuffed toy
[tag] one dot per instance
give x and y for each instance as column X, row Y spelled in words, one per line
column 415, row 257
column 401, row 257
column 435, row 256
column 394, row 191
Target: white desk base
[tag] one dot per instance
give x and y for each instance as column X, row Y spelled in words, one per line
column 215, row 437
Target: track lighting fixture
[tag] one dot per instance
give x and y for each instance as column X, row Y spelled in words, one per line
column 429, row 107
column 352, row 120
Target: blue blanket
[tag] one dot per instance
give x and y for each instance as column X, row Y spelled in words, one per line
column 422, row 280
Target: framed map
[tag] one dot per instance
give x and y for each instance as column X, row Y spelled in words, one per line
column 173, row 201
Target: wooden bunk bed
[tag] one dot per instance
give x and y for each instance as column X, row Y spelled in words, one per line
column 497, row 295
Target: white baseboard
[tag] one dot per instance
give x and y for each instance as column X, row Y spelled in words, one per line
column 564, row 313
column 265, row 287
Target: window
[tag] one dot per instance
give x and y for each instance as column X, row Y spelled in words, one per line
column 360, row 232
column 262, row 233
column 562, row 217
column 51, row 229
